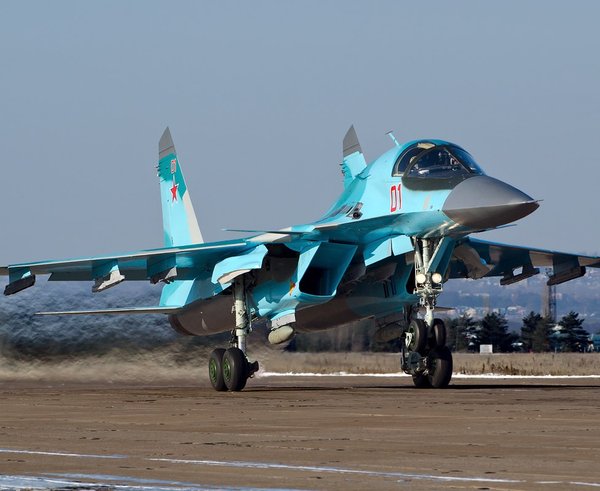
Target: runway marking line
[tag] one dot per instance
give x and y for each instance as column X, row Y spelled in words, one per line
column 337, row 470
column 64, row 454
column 301, row 468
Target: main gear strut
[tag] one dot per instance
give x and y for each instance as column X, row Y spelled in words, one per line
column 230, row 369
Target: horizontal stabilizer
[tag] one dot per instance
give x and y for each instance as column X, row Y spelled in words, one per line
column 125, row 310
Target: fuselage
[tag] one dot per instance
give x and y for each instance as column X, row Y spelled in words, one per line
column 424, row 189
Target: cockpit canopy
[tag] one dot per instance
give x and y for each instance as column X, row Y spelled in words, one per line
column 425, row 159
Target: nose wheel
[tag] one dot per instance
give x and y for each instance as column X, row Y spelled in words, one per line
column 439, row 367
column 415, row 338
column 425, row 355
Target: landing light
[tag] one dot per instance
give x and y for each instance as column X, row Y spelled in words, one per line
column 436, row 278
column 421, row 278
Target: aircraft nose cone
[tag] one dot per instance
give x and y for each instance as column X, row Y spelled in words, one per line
column 482, row 202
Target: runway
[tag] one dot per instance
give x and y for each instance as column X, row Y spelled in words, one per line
column 328, row 432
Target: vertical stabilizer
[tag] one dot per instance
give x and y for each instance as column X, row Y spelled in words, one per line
column 179, row 219
column 354, row 160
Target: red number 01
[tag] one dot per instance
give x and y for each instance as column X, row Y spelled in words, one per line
column 395, row 198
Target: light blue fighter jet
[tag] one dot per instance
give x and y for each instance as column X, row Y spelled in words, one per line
column 399, row 230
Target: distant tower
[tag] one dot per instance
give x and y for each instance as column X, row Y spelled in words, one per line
column 549, row 305
column 486, row 302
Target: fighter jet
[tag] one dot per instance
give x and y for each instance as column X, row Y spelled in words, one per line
column 399, row 230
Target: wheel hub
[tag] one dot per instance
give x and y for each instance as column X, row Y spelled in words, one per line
column 226, row 370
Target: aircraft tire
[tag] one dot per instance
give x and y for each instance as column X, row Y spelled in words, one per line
column 440, row 367
column 417, row 332
column 438, row 338
column 215, row 370
column 421, row 381
column 235, row 369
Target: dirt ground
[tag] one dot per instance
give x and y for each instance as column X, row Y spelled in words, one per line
column 331, row 432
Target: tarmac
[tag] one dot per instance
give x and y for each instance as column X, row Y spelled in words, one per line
column 308, row 432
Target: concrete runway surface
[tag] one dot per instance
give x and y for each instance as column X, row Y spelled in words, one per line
column 331, row 432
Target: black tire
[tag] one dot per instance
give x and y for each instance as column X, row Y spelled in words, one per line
column 438, row 334
column 215, row 370
column 416, row 336
column 421, row 381
column 235, row 369
column 439, row 364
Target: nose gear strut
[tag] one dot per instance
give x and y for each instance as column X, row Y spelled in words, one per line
column 424, row 353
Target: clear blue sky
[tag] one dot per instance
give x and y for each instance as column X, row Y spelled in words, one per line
column 258, row 96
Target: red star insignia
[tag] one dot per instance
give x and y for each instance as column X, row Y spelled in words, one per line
column 174, row 190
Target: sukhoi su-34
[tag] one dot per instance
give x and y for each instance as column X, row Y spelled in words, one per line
column 399, row 230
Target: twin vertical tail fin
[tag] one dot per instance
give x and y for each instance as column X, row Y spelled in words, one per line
column 354, row 160
column 179, row 219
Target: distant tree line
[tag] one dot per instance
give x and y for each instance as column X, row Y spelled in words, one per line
column 538, row 334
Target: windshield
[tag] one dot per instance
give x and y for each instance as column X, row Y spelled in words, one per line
column 443, row 162
column 466, row 158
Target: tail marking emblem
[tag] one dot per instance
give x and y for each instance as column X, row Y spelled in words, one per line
column 174, row 190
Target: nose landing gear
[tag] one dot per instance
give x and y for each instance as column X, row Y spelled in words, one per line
column 424, row 354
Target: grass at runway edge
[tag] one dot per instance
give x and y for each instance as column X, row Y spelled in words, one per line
column 166, row 365
column 536, row 364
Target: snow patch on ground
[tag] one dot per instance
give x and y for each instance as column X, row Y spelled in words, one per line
column 402, row 374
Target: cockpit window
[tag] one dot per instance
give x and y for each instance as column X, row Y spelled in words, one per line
column 443, row 162
column 466, row 158
column 409, row 155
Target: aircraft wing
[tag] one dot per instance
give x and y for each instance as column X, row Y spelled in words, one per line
column 474, row 258
column 164, row 264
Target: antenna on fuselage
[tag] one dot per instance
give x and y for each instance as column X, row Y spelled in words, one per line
column 391, row 135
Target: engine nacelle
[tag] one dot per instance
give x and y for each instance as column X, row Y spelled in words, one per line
column 210, row 316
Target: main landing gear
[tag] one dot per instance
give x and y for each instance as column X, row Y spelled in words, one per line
column 230, row 369
column 424, row 354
